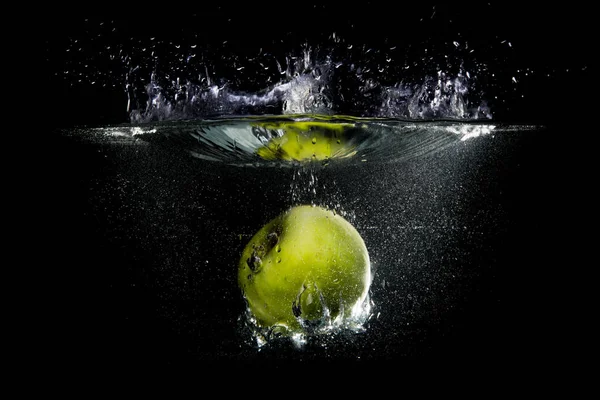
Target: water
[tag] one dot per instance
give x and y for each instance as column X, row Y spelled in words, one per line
column 170, row 149
column 165, row 209
column 257, row 141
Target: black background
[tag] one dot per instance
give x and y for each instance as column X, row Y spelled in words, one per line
column 554, row 37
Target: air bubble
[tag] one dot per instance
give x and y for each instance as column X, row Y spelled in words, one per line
column 254, row 262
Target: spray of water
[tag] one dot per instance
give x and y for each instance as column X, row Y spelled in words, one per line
column 165, row 80
column 315, row 86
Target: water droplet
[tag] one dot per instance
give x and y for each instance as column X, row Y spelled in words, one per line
column 278, row 260
column 314, row 140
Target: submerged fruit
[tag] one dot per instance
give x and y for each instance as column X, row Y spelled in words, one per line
column 308, row 264
column 306, row 140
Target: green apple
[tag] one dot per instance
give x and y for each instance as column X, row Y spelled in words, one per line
column 307, row 265
column 306, row 141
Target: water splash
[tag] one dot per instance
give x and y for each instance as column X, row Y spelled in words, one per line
column 301, row 95
column 438, row 97
column 313, row 86
column 323, row 332
column 166, row 80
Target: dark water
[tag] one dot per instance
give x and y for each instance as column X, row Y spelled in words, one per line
column 458, row 236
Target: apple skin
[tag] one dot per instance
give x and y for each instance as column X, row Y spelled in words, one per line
column 308, row 264
column 307, row 141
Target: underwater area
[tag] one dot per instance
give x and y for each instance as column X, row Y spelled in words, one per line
column 442, row 134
